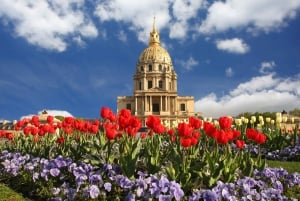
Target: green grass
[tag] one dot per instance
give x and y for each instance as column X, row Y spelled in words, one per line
column 290, row 166
column 7, row 194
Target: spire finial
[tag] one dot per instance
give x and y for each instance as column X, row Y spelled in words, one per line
column 154, row 35
column 154, row 24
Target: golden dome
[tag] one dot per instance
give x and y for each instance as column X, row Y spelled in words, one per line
column 155, row 53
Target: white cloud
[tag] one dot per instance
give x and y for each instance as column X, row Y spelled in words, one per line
column 47, row 23
column 229, row 72
column 183, row 11
column 264, row 15
column 260, row 94
column 135, row 12
column 267, row 66
column 234, row 45
column 172, row 15
column 188, row 64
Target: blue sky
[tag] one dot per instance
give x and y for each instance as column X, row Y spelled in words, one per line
column 75, row 56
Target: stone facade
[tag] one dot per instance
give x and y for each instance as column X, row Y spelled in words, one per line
column 155, row 87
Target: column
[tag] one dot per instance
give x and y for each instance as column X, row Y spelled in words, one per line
column 160, row 108
column 145, row 102
column 166, row 101
column 150, row 103
column 135, row 107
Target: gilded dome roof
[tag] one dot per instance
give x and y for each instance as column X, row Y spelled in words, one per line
column 155, row 52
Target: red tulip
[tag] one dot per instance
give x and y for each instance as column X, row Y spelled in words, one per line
column 27, row 130
column 196, row 135
column 110, row 131
column 152, row 121
column 2, row 133
column 185, row 142
column 171, row 132
column 236, row 133
column 225, row 122
column 125, row 113
column 194, row 141
column 60, row 140
column 195, row 122
column 9, row 136
column 50, row 119
column 185, row 130
column 158, row 128
column 209, row 129
column 222, row 137
column 240, row 144
column 105, row 112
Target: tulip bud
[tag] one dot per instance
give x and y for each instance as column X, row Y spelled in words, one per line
column 253, row 119
column 272, row 122
column 278, row 119
column 246, row 121
column 216, row 123
column 260, row 118
column 292, row 120
column 258, row 126
column 268, row 119
column 284, row 119
column 238, row 122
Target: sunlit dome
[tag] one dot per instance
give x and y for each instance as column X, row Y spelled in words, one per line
column 155, row 53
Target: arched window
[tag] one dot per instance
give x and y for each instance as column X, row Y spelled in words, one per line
column 150, row 67
column 142, row 68
column 140, row 85
column 160, row 67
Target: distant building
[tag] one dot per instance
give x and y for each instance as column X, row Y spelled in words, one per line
column 155, row 87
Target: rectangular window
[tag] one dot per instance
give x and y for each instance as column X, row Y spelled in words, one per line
column 160, row 84
column 182, row 107
column 128, row 106
column 155, row 107
column 149, row 84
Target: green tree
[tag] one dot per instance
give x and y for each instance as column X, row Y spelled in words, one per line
column 295, row 112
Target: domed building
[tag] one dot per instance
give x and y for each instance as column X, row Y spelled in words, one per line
column 155, row 87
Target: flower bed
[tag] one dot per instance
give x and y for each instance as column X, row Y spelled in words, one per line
column 69, row 180
column 104, row 159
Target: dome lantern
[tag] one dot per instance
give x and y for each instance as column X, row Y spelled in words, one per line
column 154, row 35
